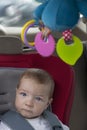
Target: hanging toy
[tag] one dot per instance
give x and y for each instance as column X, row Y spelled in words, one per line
column 62, row 16
column 44, row 47
column 25, row 28
column 69, row 48
column 69, row 53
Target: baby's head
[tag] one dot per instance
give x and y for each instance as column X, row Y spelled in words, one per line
column 34, row 92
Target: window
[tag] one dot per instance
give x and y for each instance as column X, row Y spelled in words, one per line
column 16, row 12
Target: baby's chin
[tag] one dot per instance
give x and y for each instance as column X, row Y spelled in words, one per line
column 29, row 117
column 28, row 114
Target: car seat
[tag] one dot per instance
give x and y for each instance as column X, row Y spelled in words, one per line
column 10, row 45
column 11, row 66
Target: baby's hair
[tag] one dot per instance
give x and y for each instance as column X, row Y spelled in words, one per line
column 40, row 76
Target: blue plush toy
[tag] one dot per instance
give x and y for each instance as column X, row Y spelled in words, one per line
column 60, row 15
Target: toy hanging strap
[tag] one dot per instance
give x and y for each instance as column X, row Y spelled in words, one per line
column 67, row 35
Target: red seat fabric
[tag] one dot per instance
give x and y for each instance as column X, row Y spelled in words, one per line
column 62, row 73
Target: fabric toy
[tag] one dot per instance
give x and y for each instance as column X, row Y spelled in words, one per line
column 63, row 16
column 60, row 15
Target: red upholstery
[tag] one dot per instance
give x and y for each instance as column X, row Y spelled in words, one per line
column 62, row 73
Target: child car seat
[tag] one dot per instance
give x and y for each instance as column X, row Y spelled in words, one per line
column 11, row 66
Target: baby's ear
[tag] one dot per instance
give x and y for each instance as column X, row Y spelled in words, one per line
column 50, row 101
column 49, row 104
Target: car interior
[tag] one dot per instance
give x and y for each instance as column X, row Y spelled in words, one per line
column 15, row 57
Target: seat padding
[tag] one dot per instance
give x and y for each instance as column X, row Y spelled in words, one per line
column 8, row 82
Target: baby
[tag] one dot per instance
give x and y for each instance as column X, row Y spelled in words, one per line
column 34, row 94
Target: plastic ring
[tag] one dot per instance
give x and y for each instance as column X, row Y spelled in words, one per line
column 24, row 32
column 69, row 53
column 28, row 44
column 44, row 48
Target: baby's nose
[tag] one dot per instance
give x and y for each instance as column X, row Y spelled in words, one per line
column 30, row 102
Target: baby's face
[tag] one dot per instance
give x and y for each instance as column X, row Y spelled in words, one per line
column 32, row 98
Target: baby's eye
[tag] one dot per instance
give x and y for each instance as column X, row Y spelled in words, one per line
column 23, row 94
column 38, row 98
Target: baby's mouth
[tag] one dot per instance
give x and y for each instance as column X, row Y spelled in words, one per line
column 27, row 110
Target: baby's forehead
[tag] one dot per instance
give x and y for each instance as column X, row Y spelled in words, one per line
column 44, row 84
column 33, row 80
column 38, row 80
